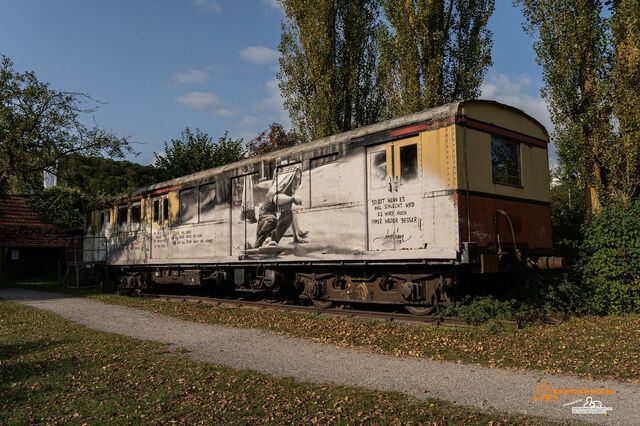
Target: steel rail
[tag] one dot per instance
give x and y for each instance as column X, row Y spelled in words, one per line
column 349, row 313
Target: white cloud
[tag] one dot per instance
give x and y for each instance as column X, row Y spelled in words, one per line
column 208, row 101
column 249, row 126
column 223, row 112
column 517, row 92
column 208, row 5
column 248, row 122
column 200, row 100
column 191, row 76
column 274, row 104
column 271, row 3
column 260, row 55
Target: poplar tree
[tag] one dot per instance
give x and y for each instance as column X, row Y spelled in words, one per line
column 328, row 65
column 625, row 160
column 591, row 66
column 433, row 52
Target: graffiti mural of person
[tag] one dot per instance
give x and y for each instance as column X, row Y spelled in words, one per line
column 276, row 216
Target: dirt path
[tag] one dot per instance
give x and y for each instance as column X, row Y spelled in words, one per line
column 501, row 389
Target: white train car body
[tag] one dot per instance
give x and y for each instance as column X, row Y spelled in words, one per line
column 418, row 189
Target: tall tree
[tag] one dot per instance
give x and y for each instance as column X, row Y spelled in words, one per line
column 625, row 161
column 272, row 139
column 40, row 125
column 196, row 151
column 328, row 65
column 433, row 51
column 591, row 63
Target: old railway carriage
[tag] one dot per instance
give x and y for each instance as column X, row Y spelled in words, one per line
column 393, row 212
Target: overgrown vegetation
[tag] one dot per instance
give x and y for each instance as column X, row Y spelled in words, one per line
column 590, row 56
column 55, row 372
column 610, row 266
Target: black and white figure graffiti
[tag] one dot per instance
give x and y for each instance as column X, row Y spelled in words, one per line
column 276, row 218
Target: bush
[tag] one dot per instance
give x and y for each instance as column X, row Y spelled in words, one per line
column 610, row 264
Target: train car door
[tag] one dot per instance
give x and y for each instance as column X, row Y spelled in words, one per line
column 394, row 193
column 243, row 214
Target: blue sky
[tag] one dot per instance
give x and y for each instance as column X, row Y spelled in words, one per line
column 162, row 65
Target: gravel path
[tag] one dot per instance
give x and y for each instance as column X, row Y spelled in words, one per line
column 501, row 389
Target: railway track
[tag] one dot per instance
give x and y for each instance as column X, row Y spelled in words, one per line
column 339, row 312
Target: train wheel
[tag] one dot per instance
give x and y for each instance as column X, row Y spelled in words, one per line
column 420, row 310
column 322, row 304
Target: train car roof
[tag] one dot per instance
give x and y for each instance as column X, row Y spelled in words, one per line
column 432, row 114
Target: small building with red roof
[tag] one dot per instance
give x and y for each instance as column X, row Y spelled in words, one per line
column 29, row 248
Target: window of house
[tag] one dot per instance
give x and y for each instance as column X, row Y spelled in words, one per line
column 188, row 205
column 408, row 162
column 207, row 201
column 505, row 161
column 15, row 254
column 122, row 215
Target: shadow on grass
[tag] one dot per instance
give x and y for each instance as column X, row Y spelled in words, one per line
column 10, row 350
column 50, row 286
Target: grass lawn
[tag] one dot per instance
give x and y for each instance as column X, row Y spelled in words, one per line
column 595, row 347
column 53, row 371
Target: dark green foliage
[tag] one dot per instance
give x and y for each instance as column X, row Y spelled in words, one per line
column 272, row 139
column 60, row 206
column 567, row 217
column 481, row 309
column 102, row 176
column 610, row 265
column 196, row 151
column 40, row 125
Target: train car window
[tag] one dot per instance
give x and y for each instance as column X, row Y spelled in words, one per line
column 207, row 201
column 378, row 176
column 103, row 219
column 165, row 209
column 324, row 178
column 408, row 162
column 122, row 215
column 188, row 206
column 266, row 170
column 136, row 214
column 325, row 159
column 156, row 211
column 505, row 161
